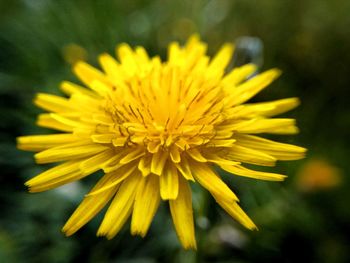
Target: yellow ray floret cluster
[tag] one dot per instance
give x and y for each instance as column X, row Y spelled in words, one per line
column 152, row 127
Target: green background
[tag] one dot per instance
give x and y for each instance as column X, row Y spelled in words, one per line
column 309, row 40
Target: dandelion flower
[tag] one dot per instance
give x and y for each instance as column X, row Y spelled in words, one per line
column 153, row 127
column 73, row 53
column 318, row 174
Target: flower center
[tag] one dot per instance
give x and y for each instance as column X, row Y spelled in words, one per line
column 163, row 108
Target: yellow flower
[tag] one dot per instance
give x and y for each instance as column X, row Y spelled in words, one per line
column 318, row 174
column 73, row 53
column 152, row 127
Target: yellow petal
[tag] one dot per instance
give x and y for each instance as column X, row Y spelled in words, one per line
column 250, row 88
column 133, row 155
column 70, row 88
column 221, row 142
column 120, row 141
column 212, row 182
column 185, row 169
column 181, row 212
column 247, row 155
column 222, row 58
column 70, row 122
column 193, row 41
column 174, row 52
column 146, row 204
column 267, row 109
column 103, row 138
column 43, row 142
column 169, row 182
column 237, row 75
column 234, row 210
column 153, row 147
column 144, row 165
column 111, row 67
column 242, row 171
column 96, row 162
column 46, row 120
column 196, row 155
column 158, row 162
column 193, row 55
column 175, row 154
column 56, row 176
column 214, row 158
column 274, row 126
column 118, row 176
column 89, row 207
column 86, row 102
column 87, row 74
column 114, row 163
column 281, row 151
column 53, row 103
column 58, row 154
column 100, row 88
column 141, row 55
column 120, row 208
column 127, row 58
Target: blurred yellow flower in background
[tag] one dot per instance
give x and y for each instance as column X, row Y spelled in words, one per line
column 72, row 53
column 153, row 127
column 318, row 174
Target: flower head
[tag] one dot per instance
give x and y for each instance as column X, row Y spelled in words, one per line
column 153, row 127
column 318, row 174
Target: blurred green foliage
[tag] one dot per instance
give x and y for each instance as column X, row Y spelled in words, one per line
column 308, row 39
